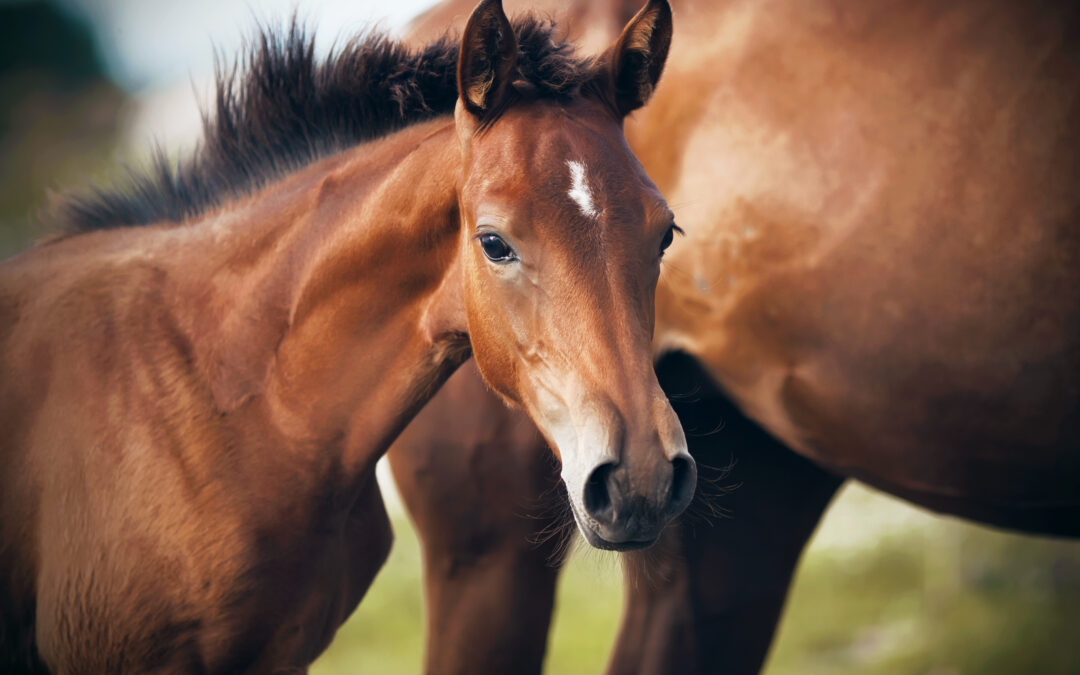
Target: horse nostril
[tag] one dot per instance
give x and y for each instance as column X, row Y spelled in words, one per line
column 683, row 482
column 597, row 497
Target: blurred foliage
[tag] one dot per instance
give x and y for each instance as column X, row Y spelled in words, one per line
column 943, row 598
column 930, row 596
column 38, row 36
column 60, row 118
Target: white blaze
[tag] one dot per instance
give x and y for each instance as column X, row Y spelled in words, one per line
column 579, row 189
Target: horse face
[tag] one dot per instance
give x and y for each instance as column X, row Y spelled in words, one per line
column 562, row 240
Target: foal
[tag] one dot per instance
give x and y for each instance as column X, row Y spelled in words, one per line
column 194, row 407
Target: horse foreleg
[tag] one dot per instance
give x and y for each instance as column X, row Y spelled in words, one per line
column 470, row 472
column 707, row 599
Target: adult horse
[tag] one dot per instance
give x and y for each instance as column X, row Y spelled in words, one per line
column 881, row 280
column 193, row 408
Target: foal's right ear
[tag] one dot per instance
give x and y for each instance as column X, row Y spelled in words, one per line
column 487, row 59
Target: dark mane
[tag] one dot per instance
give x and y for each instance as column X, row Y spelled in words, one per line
column 280, row 109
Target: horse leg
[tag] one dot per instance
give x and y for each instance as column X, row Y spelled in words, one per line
column 470, row 472
column 344, row 572
column 708, row 597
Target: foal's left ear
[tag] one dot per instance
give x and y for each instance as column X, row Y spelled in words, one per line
column 637, row 58
column 487, row 59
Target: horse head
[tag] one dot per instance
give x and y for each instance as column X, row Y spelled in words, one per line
column 561, row 246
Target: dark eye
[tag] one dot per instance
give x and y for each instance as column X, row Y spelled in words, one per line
column 496, row 249
column 669, row 237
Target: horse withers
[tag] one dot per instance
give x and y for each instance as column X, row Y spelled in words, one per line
column 197, row 383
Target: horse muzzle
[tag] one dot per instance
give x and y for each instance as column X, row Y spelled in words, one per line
column 613, row 515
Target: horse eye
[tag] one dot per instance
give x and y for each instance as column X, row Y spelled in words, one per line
column 669, row 237
column 496, row 249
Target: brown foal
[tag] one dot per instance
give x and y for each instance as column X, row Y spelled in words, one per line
column 881, row 280
column 194, row 407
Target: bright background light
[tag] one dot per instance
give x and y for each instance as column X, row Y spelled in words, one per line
column 150, row 44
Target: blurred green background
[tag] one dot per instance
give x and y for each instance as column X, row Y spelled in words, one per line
column 884, row 588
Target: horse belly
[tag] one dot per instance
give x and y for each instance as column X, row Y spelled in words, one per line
column 885, row 271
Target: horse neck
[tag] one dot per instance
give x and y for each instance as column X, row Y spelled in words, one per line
column 313, row 317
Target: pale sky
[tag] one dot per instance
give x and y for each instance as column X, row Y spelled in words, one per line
column 162, row 51
column 153, row 44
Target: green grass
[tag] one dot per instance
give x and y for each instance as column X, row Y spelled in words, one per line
column 944, row 598
column 883, row 589
column 587, row 612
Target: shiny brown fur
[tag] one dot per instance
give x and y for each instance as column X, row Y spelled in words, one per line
column 193, row 407
column 881, row 272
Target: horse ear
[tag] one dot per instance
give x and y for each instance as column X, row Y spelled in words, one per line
column 487, row 58
column 637, row 57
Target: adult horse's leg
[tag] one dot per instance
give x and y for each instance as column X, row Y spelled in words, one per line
column 484, row 494
column 708, row 597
